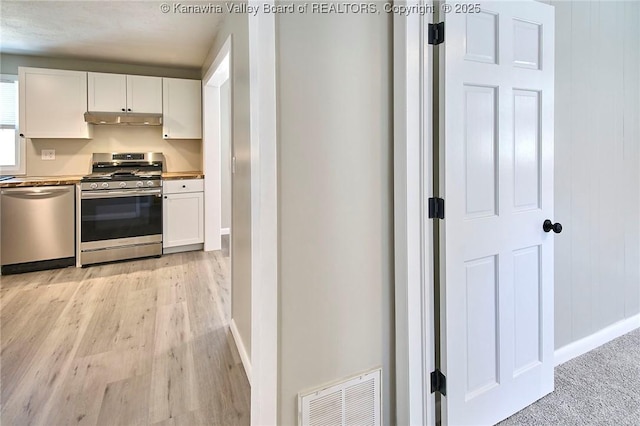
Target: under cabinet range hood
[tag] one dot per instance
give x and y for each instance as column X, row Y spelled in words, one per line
column 123, row 118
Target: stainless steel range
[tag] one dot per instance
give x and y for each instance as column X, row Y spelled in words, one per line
column 121, row 207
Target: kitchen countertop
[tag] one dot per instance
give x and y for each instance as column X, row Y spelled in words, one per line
column 39, row 181
column 182, row 175
column 72, row 180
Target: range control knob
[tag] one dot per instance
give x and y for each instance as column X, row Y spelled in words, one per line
column 150, row 183
column 139, row 184
column 123, row 184
column 93, row 186
column 105, row 185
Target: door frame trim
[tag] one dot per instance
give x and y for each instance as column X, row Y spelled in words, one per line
column 211, row 143
column 413, row 231
column 264, row 216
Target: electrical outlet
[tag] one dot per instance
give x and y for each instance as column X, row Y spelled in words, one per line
column 48, row 154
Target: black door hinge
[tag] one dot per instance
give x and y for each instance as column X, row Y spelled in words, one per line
column 436, row 33
column 436, row 208
column 438, row 382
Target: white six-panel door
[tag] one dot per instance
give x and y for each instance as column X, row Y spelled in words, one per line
column 497, row 81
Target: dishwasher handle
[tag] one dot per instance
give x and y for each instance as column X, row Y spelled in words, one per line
column 35, row 193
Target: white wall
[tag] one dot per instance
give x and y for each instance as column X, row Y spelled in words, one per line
column 597, row 179
column 335, row 202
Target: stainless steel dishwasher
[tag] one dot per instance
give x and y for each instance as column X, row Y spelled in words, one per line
column 37, row 228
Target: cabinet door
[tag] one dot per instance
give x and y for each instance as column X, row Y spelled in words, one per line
column 52, row 103
column 144, row 94
column 183, row 219
column 107, row 92
column 181, row 109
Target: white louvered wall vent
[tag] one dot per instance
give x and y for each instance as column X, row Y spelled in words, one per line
column 354, row 402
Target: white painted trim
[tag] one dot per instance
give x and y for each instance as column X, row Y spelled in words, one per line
column 242, row 350
column 220, row 57
column 599, row 338
column 225, row 231
column 413, row 235
column 211, row 146
column 211, row 166
column 264, row 216
column 21, row 143
column 222, row 73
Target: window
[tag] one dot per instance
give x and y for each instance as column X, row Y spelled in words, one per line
column 12, row 152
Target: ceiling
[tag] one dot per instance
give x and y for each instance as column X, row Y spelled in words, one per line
column 135, row 32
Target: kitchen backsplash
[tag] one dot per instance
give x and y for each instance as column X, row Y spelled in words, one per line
column 73, row 156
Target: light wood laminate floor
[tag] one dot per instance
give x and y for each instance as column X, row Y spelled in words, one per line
column 130, row 343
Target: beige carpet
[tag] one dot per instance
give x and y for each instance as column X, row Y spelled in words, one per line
column 601, row 387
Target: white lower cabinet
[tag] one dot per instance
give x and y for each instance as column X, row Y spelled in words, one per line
column 183, row 215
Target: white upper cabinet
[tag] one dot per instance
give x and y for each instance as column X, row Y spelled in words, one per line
column 107, row 92
column 124, row 93
column 52, row 103
column 182, row 109
column 144, row 94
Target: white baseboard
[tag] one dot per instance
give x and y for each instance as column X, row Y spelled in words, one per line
column 225, row 231
column 244, row 356
column 180, row 249
column 598, row 338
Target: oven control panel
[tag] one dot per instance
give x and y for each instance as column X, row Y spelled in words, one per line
column 125, row 184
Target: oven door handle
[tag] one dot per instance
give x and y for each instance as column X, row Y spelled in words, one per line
column 89, row 195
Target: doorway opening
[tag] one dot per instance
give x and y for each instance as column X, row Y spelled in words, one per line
column 219, row 166
column 218, row 151
column 220, row 82
column 255, row 175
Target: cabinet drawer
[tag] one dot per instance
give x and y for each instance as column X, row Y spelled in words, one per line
column 183, row 185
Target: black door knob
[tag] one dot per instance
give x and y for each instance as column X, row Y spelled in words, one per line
column 128, row 109
column 123, row 109
column 550, row 226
